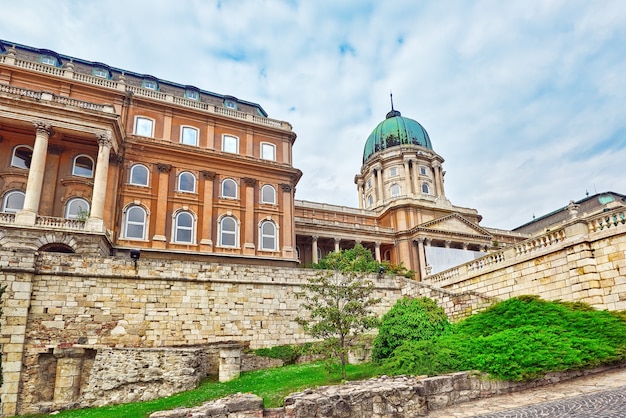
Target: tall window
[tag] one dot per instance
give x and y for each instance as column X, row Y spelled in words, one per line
column 229, row 188
column 83, row 166
column 13, row 201
column 370, row 200
column 184, row 227
column 394, row 190
column 186, row 182
column 76, row 208
column 268, row 151
column 144, row 126
column 422, row 170
column 268, row 194
column 189, row 135
column 228, row 232
column 139, row 175
column 319, row 254
column 22, row 156
column 393, row 171
column 135, row 223
column 230, row 144
column 268, row 236
column 425, row 188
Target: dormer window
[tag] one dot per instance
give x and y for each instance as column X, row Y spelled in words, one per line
column 230, row 104
column 48, row 60
column 149, row 84
column 192, row 94
column 100, row 72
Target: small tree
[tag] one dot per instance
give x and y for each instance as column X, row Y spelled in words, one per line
column 339, row 302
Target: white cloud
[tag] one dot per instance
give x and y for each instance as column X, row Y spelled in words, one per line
column 524, row 100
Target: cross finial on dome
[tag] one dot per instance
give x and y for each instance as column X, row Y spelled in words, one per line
column 391, row 96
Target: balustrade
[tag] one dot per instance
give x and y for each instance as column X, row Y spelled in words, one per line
column 605, row 221
column 7, row 218
column 42, row 68
column 59, row 223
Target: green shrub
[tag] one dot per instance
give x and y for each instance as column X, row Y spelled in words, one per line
column 409, row 320
column 427, row 357
column 287, row 353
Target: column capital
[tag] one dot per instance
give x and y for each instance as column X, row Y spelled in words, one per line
column 315, row 237
column 164, row 168
column 42, row 127
column 250, row 182
column 286, row 187
column 337, row 240
column 377, row 244
column 104, row 139
column 208, row 175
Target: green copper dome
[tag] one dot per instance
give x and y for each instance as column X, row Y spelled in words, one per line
column 395, row 130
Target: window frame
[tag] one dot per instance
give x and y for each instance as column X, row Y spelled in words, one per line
column 139, row 119
column 192, row 94
column 230, row 104
column 150, row 84
column 425, row 188
column 101, row 72
column 234, row 233
column 268, row 187
column 393, row 172
column 423, row 170
column 5, row 201
column 26, row 167
column 180, row 177
column 189, row 128
column 74, row 173
column 48, row 59
column 68, row 207
column 268, row 146
column 178, row 228
column 263, row 235
column 127, row 222
column 223, row 195
column 132, row 170
column 226, row 137
column 395, row 187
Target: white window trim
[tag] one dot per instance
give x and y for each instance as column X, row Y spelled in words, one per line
column 137, row 118
column 272, row 147
column 193, row 128
column 222, row 189
column 427, row 188
column 176, row 228
column 192, row 94
column 391, row 189
column 93, row 168
column 130, row 179
column 195, row 181
column 145, row 223
column 393, row 172
column 261, row 235
column 69, row 203
column 13, row 155
column 236, row 143
column 273, row 192
column 236, row 232
column 6, row 199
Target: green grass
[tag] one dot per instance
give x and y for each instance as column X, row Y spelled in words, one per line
column 273, row 385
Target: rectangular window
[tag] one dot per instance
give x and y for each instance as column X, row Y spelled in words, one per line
column 230, row 144
column 268, row 152
column 192, row 95
column 144, row 127
column 189, row 136
column 393, row 171
column 422, row 170
column 149, row 84
column 100, row 72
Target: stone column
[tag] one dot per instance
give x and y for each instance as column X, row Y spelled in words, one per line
column 230, row 363
column 337, row 241
column 360, row 192
column 206, row 241
column 377, row 251
column 314, row 249
column 288, row 234
column 250, row 228
column 53, row 161
column 421, row 257
column 98, row 197
column 407, row 177
column 380, row 192
column 437, row 174
column 416, row 183
column 28, row 214
column 161, row 205
column 69, row 368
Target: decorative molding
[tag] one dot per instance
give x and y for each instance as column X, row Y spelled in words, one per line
column 208, row 175
column 286, row 187
column 164, row 168
column 104, row 139
column 250, row 182
column 42, row 127
column 116, row 159
column 55, row 149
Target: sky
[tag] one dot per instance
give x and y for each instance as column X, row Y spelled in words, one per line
column 524, row 99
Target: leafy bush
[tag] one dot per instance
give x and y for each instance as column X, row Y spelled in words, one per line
column 519, row 339
column 360, row 259
column 409, row 320
column 287, row 353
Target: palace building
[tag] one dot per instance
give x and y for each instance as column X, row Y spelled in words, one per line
column 100, row 159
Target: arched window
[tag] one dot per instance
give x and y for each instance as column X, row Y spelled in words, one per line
column 83, row 166
column 425, row 188
column 370, row 200
column 186, row 182
column 135, row 223
column 319, row 254
column 229, row 188
column 268, row 194
column 268, row 236
column 394, row 190
column 298, row 252
column 188, row 135
column 22, row 156
column 228, row 232
column 139, row 175
column 13, row 201
column 184, row 227
column 77, row 208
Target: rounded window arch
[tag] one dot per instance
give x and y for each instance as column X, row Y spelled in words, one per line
column 83, row 166
column 184, row 227
column 267, row 236
column 22, row 156
column 319, row 254
column 425, row 188
column 13, row 201
column 77, row 208
column 370, row 200
column 229, row 188
column 186, row 182
column 298, row 252
column 139, row 175
column 228, row 234
column 135, row 222
column 394, row 190
column 268, row 194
